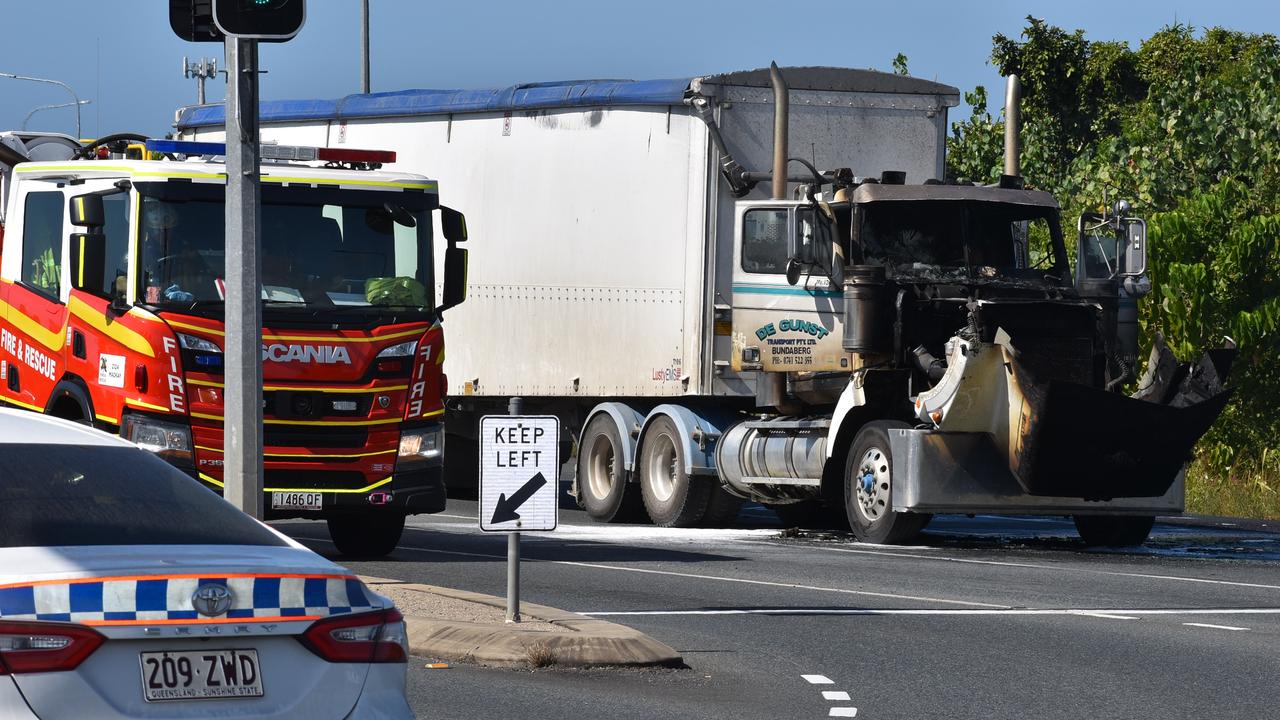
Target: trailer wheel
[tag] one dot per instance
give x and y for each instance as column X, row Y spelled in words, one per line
column 671, row 496
column 1114, row 530
column 868, row 487
column 722, row 509
column 602, row 480
column 366, row 534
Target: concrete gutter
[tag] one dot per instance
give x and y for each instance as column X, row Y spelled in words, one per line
column 555, row 636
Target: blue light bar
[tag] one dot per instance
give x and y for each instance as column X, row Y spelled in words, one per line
column 187, row 147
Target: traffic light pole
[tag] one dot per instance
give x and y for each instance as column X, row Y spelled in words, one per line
column 242, row 398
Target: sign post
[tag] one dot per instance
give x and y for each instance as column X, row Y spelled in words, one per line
column 519, row 483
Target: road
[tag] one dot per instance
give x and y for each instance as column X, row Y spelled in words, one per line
column 985, row 618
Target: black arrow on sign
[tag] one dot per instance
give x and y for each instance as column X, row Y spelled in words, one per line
column 505, row 511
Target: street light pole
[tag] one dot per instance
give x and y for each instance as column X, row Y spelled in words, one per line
column 364, row 46
column 27, row 119
column 52, row 82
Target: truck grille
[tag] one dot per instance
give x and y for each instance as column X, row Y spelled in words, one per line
column 314, row 437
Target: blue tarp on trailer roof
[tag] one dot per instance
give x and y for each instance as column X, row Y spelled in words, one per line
column 535, row 96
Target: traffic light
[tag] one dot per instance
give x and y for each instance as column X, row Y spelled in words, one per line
column 213, row 20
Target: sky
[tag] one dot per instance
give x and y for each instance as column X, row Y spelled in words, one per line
column 122, row 56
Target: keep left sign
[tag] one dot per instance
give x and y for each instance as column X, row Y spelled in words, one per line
column 519, row 472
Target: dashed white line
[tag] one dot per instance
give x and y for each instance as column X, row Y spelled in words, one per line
column 1108, row 616
column 818, row 679
column 835, row 695
column 1215, row 627
column 843, row 712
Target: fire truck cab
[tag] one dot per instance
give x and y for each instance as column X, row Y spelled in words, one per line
column 111, row 313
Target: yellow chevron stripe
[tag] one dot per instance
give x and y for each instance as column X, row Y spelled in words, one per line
column 127, row 337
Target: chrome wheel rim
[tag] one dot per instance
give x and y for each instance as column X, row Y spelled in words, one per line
column 872, row 483
column 602, row 467
column 661, row 466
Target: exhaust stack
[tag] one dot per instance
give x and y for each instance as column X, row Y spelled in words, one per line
column 1013, row 127
column 781, row 112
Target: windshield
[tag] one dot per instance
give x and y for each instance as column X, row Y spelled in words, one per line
column 319, row 247
column 978, row 239
column 96, row 495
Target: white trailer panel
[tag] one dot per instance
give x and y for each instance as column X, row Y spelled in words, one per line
column 602, row 230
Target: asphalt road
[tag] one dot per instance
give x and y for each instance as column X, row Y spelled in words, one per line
column 985, row 618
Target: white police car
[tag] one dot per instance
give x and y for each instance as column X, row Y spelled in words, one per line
column 129, row 590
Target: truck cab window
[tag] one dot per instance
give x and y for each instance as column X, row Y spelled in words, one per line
column 764, row 241
column 116, row 214
column 42, row 241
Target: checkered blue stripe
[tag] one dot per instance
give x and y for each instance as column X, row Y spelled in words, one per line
column 151, row 599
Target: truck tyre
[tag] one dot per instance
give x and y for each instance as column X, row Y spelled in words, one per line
column 722, row 509
column 868, row 487
column 671, row 496
column 366, row 534
column 602, row 480
column 1114, row 530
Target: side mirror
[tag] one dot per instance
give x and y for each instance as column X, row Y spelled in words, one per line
column 1135, row 250
column 455, row 278
column 88, row 260
column 802, row 239
column 453, row 225
column 87, row 211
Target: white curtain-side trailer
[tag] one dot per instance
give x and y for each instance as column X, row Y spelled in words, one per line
column 603, row 263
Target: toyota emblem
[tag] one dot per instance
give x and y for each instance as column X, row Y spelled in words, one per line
column 212, row 599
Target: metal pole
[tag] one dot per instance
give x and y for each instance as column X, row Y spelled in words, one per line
column 515, row 406
column 27, row 119
column 364, row 46
column 52, row 82
column 242, row 426
column 1013, row 126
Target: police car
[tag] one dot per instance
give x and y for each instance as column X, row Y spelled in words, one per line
column 127, row 589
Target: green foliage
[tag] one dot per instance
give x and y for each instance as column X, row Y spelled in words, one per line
column 1187, row 127
column 900, row 64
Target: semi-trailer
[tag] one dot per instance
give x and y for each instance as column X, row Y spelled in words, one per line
column 860, row 335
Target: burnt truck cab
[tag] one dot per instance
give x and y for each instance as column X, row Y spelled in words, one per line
column 948, row 317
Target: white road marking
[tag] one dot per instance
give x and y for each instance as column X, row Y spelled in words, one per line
column 1215, row 627
column 1118, row 614
column 835, row 695
column 717, row 578
column 1056, row 568
column 843, row 712
column 818, row 679
column 1108, row 616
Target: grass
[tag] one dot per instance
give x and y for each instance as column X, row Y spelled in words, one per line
column 1246, row 488
column 540, row 655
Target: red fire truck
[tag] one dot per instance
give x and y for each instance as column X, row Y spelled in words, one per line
column 111, row 313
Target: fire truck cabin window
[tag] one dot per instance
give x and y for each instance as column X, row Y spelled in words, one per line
column 42, row 242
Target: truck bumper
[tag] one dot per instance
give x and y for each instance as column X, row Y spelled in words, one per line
column 409, row 493
column 961, row 472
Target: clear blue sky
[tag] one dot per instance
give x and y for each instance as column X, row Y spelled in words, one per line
column 122, row 55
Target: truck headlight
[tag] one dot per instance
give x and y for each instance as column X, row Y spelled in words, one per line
column 421, row 445
column 200, row 354
column 404, row 349
column 170, row 441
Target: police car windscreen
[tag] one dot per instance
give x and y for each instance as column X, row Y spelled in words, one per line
column 57, row 495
